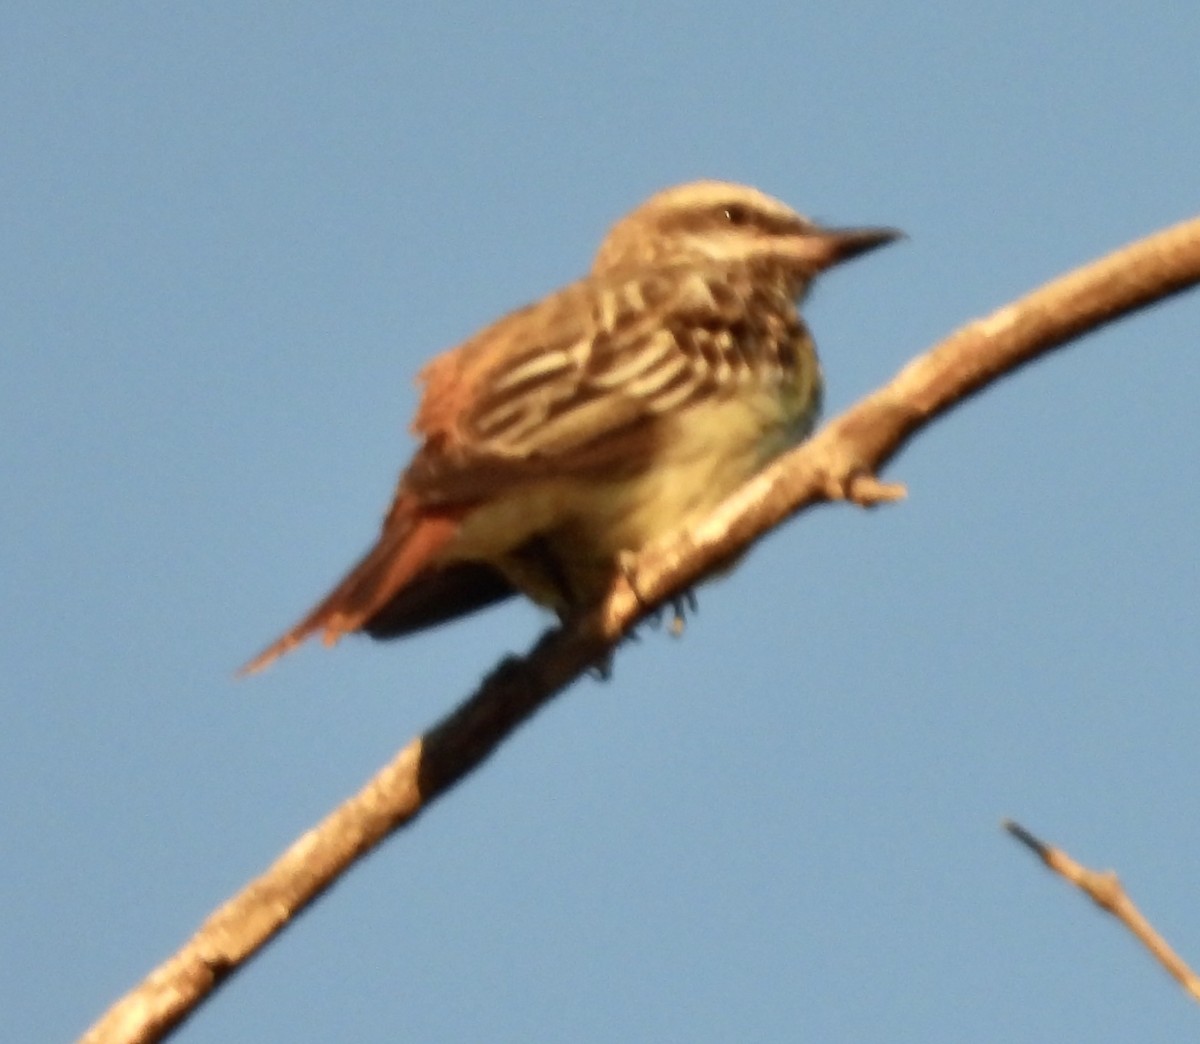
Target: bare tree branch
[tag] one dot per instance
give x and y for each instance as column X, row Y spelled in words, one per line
column 840, row 462
column 1105, row 890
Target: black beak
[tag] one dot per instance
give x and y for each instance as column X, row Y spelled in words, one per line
column 834, row 245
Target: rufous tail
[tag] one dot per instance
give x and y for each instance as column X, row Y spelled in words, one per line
column 407, row 545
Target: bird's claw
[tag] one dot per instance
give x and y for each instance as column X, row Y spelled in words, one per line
column 681, row 605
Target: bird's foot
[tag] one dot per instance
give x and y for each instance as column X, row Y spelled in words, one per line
column 603, row 670
column 681, row 605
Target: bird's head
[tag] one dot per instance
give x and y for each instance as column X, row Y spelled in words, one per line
column 722, row 222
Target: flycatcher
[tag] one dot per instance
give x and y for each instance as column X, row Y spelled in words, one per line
column 578, row 429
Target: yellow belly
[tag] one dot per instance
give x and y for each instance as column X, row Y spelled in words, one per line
column 559, row 540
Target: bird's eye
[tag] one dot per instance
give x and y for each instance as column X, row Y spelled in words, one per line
column 736, row 214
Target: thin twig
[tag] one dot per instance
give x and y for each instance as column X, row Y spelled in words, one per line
column 840, row 462
column 1105, row 890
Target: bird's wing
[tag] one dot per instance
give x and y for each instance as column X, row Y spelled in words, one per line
column 575, row 383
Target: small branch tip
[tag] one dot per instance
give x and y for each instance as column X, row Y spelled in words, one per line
column 867, row 491
column 1034, row 844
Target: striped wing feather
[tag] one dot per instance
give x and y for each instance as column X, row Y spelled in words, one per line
column 576, row 382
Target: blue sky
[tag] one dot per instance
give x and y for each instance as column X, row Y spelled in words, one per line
column 232, row 235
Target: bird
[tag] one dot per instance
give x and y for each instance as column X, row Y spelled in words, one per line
column 574, row 431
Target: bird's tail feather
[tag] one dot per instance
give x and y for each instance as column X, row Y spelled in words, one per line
column 406, row 546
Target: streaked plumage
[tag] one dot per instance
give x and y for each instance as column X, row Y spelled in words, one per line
column 581, row 427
